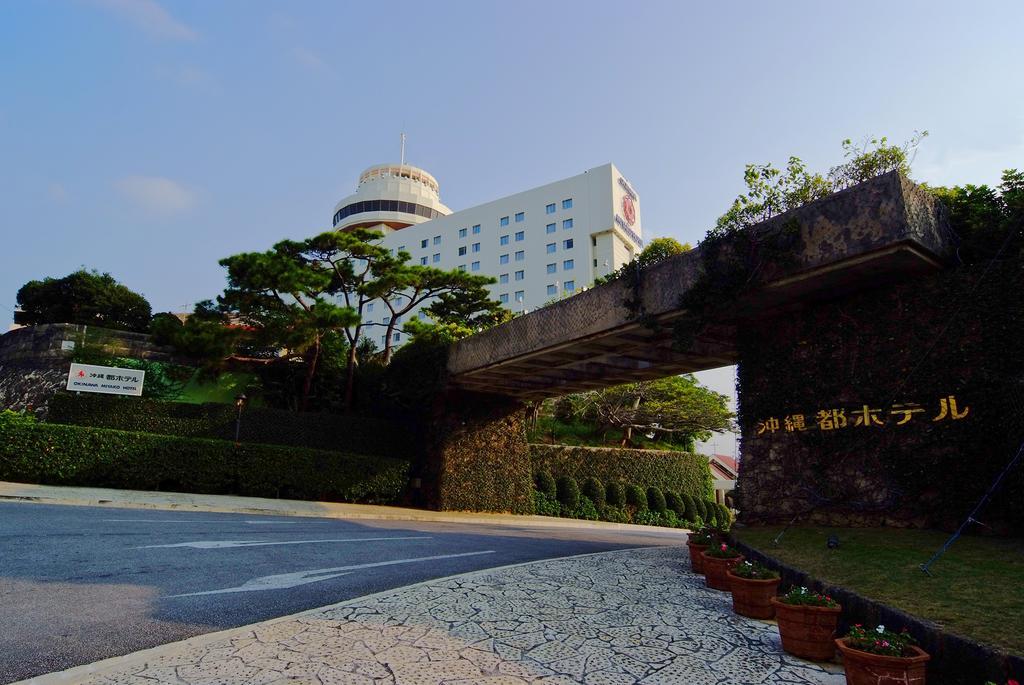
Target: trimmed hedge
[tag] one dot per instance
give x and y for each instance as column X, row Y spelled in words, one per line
column 74, row 455
column 217, row 421
column 594, row 491
column 568, row 492
column 683, row 472
column 615, row 494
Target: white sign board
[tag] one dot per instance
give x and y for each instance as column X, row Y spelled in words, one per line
column 105, row 379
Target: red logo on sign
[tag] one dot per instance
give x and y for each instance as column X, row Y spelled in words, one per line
column 628, row 209
column 81, row 374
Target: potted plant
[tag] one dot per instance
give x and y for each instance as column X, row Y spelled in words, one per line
column 753, row 587
column 807, row 623
column 697, row 543
column 880, row 656
column 716, row 562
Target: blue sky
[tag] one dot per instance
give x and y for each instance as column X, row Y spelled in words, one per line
column 151, row 139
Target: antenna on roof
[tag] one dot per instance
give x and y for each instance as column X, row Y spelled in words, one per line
column 403, row 148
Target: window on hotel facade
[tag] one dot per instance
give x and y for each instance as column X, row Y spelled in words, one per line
column 503, row 221
column 519, row 296
column 503, row 298
column 502, row 279
column 423, row 261
column 570, row 286
column 567, row 204
column 397, row 337
column 503, row 240
column 437, row 240
column 567, row 224
column 552, row 268
column 386, row 319
column 520, row 255
column 424, row 242
column 476, row 229
column 550, row 247
column 520, row 236
column 503, row 259
column 462, row 232
column 462, row 267
column 520, row 275
column 552, row 290
column 369, row 307
column 550, row 228
column 476, row 247
column 475, row 266
column 549, row 209
column 520, row 216
column 568, row 265
column 436, row 257
column 462, row 250
column 567, row 244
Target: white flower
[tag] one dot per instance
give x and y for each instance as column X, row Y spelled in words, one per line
column 880, row 628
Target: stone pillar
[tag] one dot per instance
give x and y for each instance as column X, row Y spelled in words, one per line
column 477, row 456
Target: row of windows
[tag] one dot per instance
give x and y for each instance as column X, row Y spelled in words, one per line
column 385, row 206
column 552, row 289
column 502, row 240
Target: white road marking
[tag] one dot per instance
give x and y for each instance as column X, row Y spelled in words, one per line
column 283, row 581
column 226, row 544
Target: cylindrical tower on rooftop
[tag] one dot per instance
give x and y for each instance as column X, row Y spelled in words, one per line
column 389, row 198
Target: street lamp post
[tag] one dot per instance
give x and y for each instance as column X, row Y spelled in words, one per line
column 239, row 404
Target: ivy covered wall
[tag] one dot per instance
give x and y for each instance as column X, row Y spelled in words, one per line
column 938, row 363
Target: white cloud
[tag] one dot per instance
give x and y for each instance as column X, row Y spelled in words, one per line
column 151, row 17
column 156, row 194
column 308, row 59
column 57, row 193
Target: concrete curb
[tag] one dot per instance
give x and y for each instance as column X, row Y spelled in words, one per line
column 78, row 673
column 175, row 501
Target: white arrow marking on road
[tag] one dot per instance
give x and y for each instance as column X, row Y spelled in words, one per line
column 225, row 544
column 283, row 581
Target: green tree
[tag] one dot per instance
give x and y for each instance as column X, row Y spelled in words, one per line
column 676, row 408
column 983, row 217
column 657, row 250
column 82, row 297
column 284, row 296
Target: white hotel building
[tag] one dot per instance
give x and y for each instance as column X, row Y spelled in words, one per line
column 539, row 244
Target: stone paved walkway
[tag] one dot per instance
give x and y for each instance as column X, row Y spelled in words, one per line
column 633, row 616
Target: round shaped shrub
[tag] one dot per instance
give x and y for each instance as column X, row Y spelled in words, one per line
column 702, row 509
column 655, row 499
column 674, row 503
column 690, row 512
column 586, row 510
column 724, row 516
column 712, row 517
column 568, row 492
column 593, row 489
column 635, row 497
column 544, row 505
column 546, row 484
column 615, row 494
column 615, row 515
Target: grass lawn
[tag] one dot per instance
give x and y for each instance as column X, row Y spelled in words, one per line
column 976, row 588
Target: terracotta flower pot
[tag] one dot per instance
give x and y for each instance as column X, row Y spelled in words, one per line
column 865, row 668
column 807, row 631
column 753, row 598
column 695, row 558
column 715, row 570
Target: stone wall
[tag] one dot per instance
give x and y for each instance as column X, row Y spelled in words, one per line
column 901, row 351
column 34, row 365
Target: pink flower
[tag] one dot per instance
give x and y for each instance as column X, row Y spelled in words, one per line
column 724, row 547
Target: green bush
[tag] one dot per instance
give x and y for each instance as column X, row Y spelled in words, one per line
column 568, row 492
column 546, row 484
column 682, row 472
column 615, row 515
column 635, row 497
column 675, row 503
column 593, row 489
column 73, row 455
column 655, row 499
column 690, row 512
column 615, row 494
column 724, row 517
column 584, row 510
column 712, row 518
column 545, row 505
column 361, row 435
column 701, row 509
column 646, row 517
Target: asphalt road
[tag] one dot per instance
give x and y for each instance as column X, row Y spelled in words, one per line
column 79, row 584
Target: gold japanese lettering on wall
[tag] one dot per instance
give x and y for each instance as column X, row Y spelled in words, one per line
column 865, row 416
